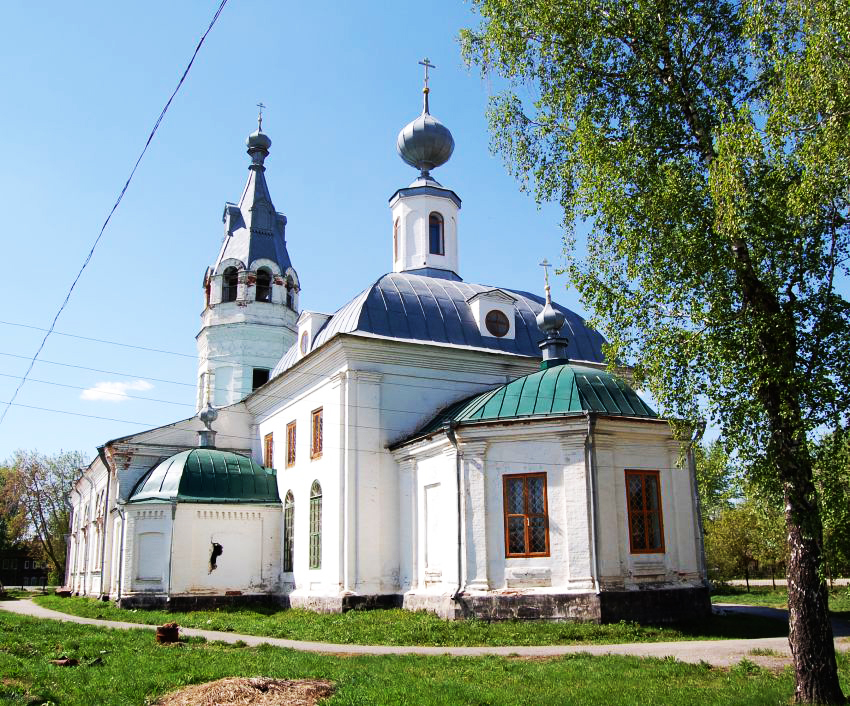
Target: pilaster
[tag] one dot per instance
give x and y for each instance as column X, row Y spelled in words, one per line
column 475, row 514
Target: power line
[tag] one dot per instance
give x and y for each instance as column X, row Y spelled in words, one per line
column 75, row 414
column 114, row 208
column 100, row 340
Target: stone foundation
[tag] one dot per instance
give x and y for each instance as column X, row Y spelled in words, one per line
column 205, row 602
column 344, row 603
column 666, row 605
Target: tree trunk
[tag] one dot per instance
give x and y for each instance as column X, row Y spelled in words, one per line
column 810, row 634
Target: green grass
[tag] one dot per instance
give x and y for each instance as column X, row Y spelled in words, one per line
column 839, row 597
column 133, row 670
column 398, row 627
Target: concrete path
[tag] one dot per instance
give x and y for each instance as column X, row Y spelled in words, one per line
column 721, row 653
column 780, row 583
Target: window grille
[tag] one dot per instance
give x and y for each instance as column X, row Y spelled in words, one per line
column 646, row 523
column 526, row 515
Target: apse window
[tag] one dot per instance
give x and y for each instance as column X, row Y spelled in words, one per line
column 526, row 515
column 259, row 378
column 316, row 435
column 268, row 450
column 497, row 323
column 264, row 285
column 229, row 285
column 290, row 444
column 646, row 525
column 436, row 240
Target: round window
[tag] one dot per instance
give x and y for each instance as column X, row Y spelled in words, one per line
column 497, row 323
column 305, row 341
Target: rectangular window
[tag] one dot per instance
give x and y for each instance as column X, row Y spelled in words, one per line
column 260, row 377
column 316, row 436
column 26, row 564
column 646, row 524
column 290, row 444
column 268, row 450
column 526, row 515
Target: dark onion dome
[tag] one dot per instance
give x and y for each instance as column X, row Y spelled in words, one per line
column 207, row 476
column 425, row 143
column 556, row 391
column 258, row 140
column 431, row 306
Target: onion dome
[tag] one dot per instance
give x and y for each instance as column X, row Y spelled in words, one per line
column 550, row 321
column 425, row 143
column 258, row 142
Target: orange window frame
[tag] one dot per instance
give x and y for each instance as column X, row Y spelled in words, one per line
column 316, row 437
column 290, row 444
column 525, row 515
column 268, row 450
column 648, row 514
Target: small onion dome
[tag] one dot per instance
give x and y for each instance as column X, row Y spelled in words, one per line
column 258, row 146
column 208, row 415
column 550, row 320
column 425, row 143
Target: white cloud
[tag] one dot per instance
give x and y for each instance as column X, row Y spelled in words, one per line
column 114, row 391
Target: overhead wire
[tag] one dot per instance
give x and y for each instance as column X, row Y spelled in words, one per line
column 112, row 210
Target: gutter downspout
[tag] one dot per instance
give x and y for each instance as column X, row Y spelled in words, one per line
column 449, row 429
column 590, row 461
column 105, row 520
column 171, row 548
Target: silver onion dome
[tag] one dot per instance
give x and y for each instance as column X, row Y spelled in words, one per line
column 258, row 144
column 550, row 320
column 425, row 143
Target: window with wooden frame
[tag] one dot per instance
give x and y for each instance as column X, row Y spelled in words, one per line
column 290, row 444
column 268, row 450
column 316, row 525
column 288, row 531
column 526, row 515
column 316, row 434
column 646, row 523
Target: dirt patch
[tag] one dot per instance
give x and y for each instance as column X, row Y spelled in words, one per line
column 255, row 691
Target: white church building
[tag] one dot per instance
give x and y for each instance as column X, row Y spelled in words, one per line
column 434, row 444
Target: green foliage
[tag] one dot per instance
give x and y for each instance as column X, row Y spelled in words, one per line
column 398, row 627
column 717, row 480
column 34, row 500
column 133, row 670
column 832, row 478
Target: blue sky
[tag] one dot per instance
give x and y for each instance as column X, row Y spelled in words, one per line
column 83, row 86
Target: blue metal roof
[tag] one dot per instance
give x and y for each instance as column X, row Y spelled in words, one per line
column 434, row 309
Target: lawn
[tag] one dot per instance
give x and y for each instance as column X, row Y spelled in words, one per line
column 839, row 597
column 398, row 627
column 127, row 667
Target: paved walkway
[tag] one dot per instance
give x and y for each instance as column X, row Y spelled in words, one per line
column 722, row 653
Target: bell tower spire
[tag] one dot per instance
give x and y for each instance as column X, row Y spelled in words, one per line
column 251, row 292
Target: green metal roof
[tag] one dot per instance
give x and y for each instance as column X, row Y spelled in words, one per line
column 208, row 476
column 555, row 391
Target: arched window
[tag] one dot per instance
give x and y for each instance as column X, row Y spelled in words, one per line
column 290, row 293
column 288, row 530
column 264, row 285
column 316, row 526
column 395, row 240
column 436, row 244
column 229, row 283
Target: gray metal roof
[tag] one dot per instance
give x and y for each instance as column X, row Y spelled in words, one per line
column 434, row 309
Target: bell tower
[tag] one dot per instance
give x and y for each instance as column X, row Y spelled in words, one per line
column 250, row 293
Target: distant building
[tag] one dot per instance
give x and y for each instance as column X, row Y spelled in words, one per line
column 18, row 567
column 433, row 444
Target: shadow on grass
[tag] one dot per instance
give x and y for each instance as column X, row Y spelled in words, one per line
column 734, row 627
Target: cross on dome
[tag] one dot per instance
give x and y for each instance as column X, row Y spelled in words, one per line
column 260, row 116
